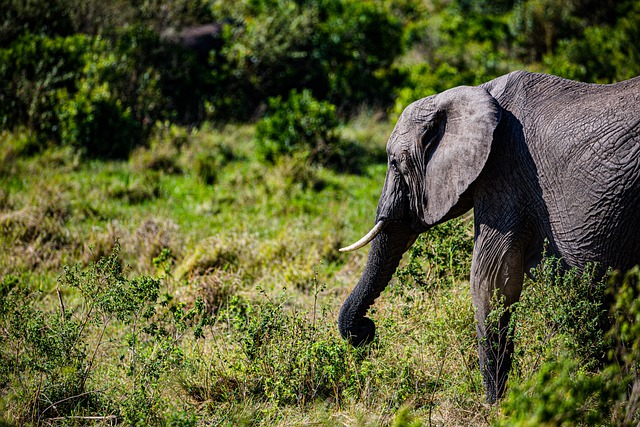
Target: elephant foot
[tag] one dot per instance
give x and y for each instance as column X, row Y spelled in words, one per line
column 359, row 333
column 495, row 380
column 494, row 392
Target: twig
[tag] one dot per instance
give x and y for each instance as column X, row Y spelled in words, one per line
column 64, row 400
column 62, row 310
column 37, row 396
column 88, row 418
column 95, row 350
column 466, row 365
column 435, row 386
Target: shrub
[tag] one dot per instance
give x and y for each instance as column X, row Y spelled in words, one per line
column 559, row 394
column 283, row 357
column 210, row 255
column 53, row 359
column 14, row 145
column 31, row 70
column 604, row 54
column 95, row 121
column 568, row 310
column 102, row 96
column 440, row 257
column 136, row 189
column 358, row 44
column 566, row 389
column 56, row 88
column 301, row 123
column 157, row 79
column 54, row 17
column 163, row 151
column 341, row 50
column 208, row 163
column 622, row 373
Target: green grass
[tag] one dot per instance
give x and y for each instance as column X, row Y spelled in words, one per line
column 193, row 285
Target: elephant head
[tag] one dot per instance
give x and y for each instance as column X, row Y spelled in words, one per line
column 437, row 150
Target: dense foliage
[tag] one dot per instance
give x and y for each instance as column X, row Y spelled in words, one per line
column 100, row 75
column 301, row 124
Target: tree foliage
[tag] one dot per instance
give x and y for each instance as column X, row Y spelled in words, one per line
column 99, row 75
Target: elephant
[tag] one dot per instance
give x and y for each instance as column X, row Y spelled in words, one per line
column 199, row 39
column 547, row 165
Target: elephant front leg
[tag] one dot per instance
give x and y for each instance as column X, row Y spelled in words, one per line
column 495, row 349
column 496, row 282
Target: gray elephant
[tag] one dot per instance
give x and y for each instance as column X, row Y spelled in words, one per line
column 539, row 159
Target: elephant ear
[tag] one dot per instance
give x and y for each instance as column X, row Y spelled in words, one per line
column 455, row 156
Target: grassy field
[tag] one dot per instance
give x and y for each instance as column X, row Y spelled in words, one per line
column 193, row 285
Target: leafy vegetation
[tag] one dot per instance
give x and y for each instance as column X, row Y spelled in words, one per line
column 566, row 389
column 169, row 221
column 301, row 123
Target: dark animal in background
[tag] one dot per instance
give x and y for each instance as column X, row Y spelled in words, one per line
column 539, row 159
column 200, row 39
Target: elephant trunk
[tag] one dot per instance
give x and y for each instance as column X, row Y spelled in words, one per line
column 385, row 255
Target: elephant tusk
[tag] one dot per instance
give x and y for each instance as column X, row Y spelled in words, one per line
column 366, row 239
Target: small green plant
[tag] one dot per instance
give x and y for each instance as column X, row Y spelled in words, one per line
column 299, row 123
column 15, row 144
column 439, row 257
column 559, row 394
column 621, row 375
column 207, row 164
column 294, row 371
column 135, row 189
column 403, row 418
column 568, row 307
column 163, row 151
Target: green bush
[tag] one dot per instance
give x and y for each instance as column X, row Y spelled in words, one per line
column 32, row 69
column 95, row 121
column 102, row 96
column 55, row 87
column 16, row 144
column 293, row 370
column 538, row 25
column 358, row 44
column 55, row 17
column 206, row 166
column 564, row 388
column 52, row 358
column 300, row 123
column 341, row 50
column 440, row 257
column 559, row 394
column 423, row 80
column 604, row 54
column 208, row 162
column 568, row 308
column 162, row 154
column 159, row 80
